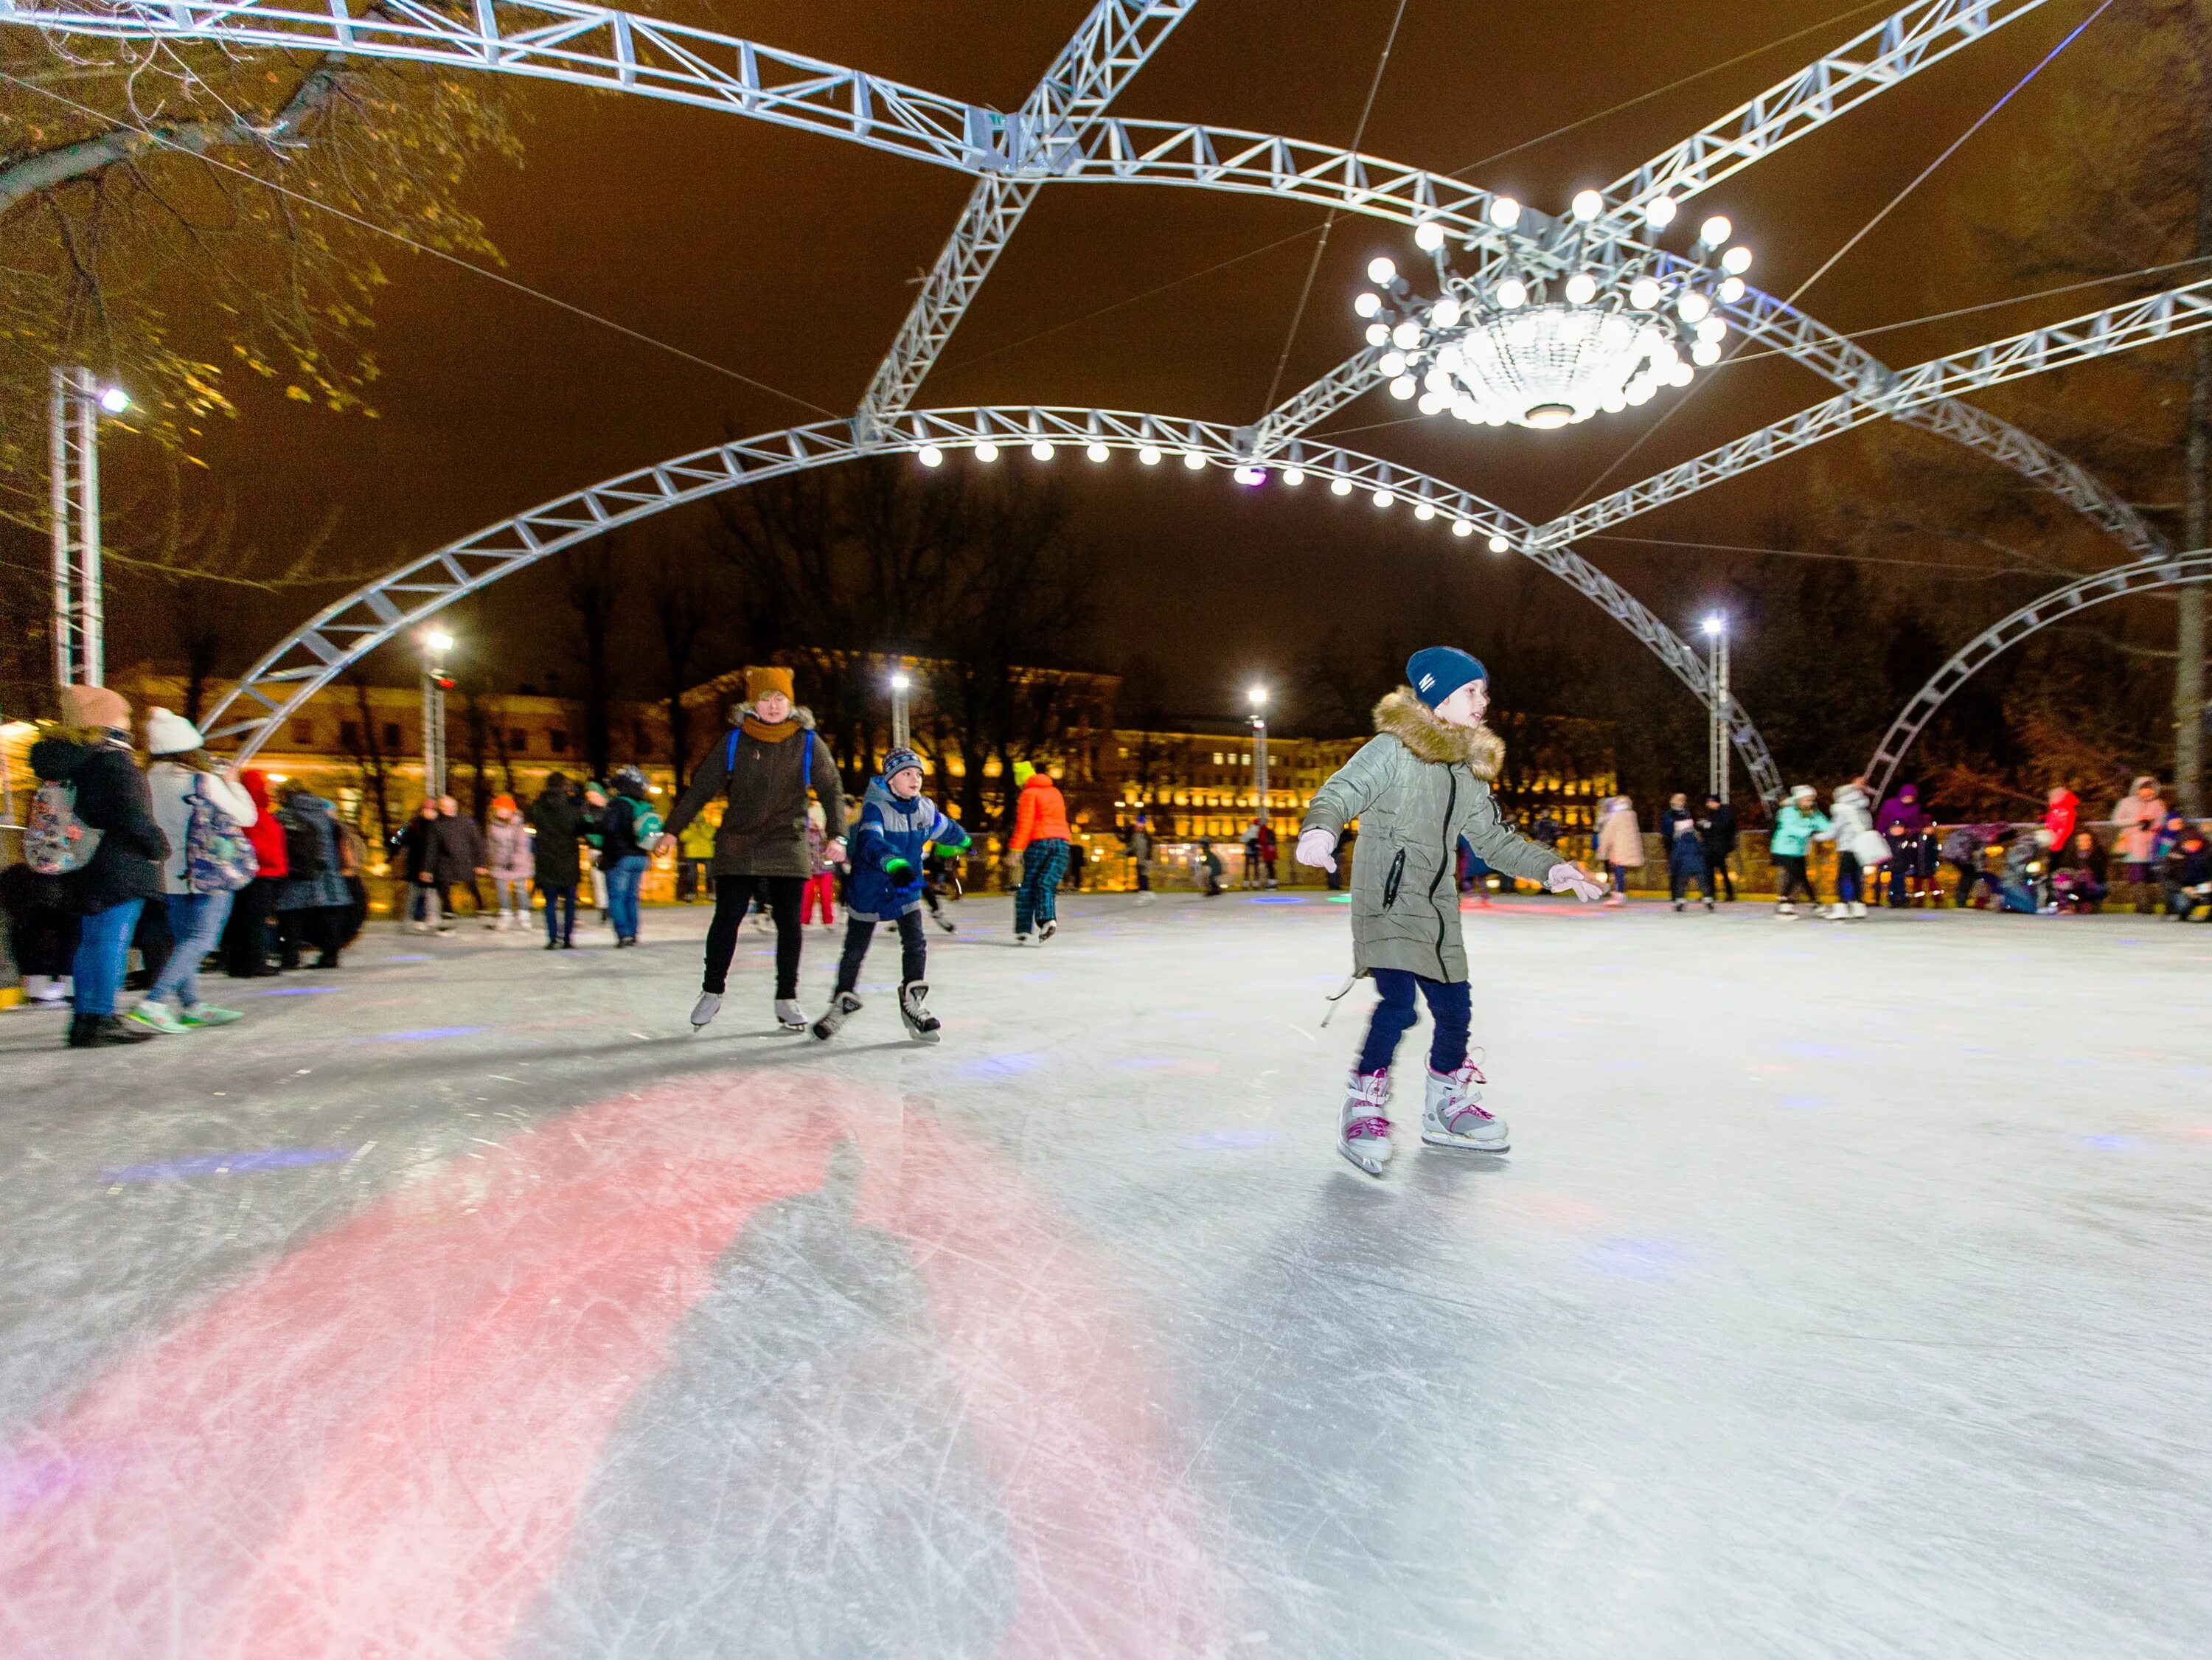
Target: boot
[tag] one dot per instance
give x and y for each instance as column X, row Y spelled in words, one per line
column 1453, row 1115
column 914, row 1009
column 96, row 1031
column 842, row 1007
column 1363, row 1133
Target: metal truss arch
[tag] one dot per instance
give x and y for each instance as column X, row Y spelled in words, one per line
column 2143, row 576
column 344, row 632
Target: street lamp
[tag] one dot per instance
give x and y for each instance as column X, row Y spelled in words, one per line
column 901, row 684
column 75, row 401
column 436, row 682
column 1717, row 707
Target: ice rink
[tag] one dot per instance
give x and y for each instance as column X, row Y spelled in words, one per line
column 1845, row 1294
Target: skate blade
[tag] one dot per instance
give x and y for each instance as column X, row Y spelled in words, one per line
column 920, row 1036
column 1440, row 1138
column 1359, row 1163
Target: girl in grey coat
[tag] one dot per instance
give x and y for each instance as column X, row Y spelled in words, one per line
column 1416, row 788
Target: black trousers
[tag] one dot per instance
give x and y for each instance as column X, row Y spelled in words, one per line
column 1716, row 867
column 246, row 935
column 914, row 950
column 1681, row 873
column 322, row 927
column 733, row 897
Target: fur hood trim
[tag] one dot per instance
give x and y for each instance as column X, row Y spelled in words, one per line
column 800, row 713
column 1404, row 717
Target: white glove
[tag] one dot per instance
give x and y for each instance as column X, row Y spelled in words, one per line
column 1317, row 848
column 1573, row 878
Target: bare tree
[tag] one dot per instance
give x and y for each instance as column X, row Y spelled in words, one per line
column 681, row 601
column 363, row 743
column 596, row 576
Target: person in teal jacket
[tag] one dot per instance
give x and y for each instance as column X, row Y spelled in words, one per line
column 1800, row 823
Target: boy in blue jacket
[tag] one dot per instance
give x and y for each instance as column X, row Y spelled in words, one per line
column 896, row 825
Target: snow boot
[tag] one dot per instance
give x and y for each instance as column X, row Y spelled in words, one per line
column 789, row 1015
column 1453, row 1115
column 842, row 1007
column 1363, row 1133
column 709, row 1006
column 914, row 1009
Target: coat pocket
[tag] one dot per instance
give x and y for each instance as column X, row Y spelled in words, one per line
column 1392, row 881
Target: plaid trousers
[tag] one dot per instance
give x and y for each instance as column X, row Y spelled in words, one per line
column 1042, row 865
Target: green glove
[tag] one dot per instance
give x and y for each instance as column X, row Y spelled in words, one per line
column 898, row 869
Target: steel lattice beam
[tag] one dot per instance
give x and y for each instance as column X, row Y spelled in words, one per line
column 2145, row 575
column 342, row 632
column 1113, row 42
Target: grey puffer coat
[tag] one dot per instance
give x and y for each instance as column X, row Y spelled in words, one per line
column 1416, row 788
column 763, row 828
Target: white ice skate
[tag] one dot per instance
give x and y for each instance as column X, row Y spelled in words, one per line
column 1453, row 1115
column 842, row 1007
column 1857, row 911
column 1046, row 929
column 789, row 1015
column 1363, row 1133
column 1786, row 912
column 709, row 1006
column 914, row 1009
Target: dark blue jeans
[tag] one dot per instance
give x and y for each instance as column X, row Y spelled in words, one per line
column 560, row 910
column 103, row 944
column 1450, row 1006
column 623, row 878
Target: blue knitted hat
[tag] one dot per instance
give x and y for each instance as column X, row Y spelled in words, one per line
column 1436, row 671
column 898, row 761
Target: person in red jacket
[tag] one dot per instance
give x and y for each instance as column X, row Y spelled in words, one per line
column 2060, row 814
column 245, row 936
column 1041, row 843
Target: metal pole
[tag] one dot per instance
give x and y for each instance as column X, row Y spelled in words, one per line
column 901, row 737
column 1260, row 761
column 91, row 622
column 1720, row 715
column 65, row 621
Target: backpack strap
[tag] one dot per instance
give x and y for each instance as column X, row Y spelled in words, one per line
column 806, row 765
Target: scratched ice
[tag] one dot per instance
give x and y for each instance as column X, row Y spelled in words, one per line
column 1842, row 1296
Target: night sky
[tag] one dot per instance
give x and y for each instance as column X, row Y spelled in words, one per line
column 789, row 257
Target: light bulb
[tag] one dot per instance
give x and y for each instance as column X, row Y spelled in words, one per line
column 1512, row 294
column 1715, row 231
column 1693, row 307
column 1407, row 335
column 900, row 683
column 115, row 400
column 931, row 456
column 438, row 640
column 1736, row 260
column 986, row 452
column 1193, row 460
column 1504, row 213
column 1705, row 353
column 1432, row 402
column 1447, row 313
column 1500, row 544
column 1377, row 333
column 1582, row 288
column 1391, row 364
column 1249, row 477
column 1294, row 477
column 1462, row 527
column 1097, row 452
column 1384, row 498
column 1714, row 329
column 1404, row 387
column 1659, row 212
column 1424, row 512
column 1149, row 455
column 1587, row 205
column 1643, row 294
column 1341, row 487
column 1368, row 304
column 1040, row 450
column 1380, row 271
column 1613, row 403
column 1680, row 376
column 1428, row 236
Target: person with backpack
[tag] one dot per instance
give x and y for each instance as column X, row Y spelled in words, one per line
column 91, row 834
column 312, row 905
column 245, row 936
column 628, row 829
column 205, row 818
column 764, row 769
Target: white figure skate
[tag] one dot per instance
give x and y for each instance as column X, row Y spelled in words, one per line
column 709, row 1006
column 1453, row 1115
column 1363, row 1133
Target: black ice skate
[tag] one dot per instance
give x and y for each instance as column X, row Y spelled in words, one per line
column 842, row 1007
column 914, row 1009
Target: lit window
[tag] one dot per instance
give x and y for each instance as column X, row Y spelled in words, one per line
column 1217, row 757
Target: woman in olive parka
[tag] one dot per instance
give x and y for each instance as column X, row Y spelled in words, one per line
column 1416, row 788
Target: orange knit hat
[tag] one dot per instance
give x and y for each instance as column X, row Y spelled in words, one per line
column 759, row 681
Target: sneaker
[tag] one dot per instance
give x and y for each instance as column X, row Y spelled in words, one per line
column 842, row 1007
column 789, row 1015
column 155, row 1017
column 1453, row 1115
column 914, row 1009
column 207, row 1014
column 1858, row 910
column 1363, row 1132
column 709, row 1006
column 1046, row 930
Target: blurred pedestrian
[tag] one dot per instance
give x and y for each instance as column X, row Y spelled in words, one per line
column 458, row 860
column 1799, row 822
column 2186, row 878
column 1268, row 850
column 2135, row 818
column 822, row 886
column 1717, row 830
column 506, row 851
column 205, row 816
column 558, row 818
column 2061, row 807
column 245, row 942
column 1140, row 857
column 312, row 905
column 2080, row 879
column 1859, row 849
column 1906, row 825
column 629, row 827
column 1619, row 844
column 1680, row 835
column 414, row 851
column 1040, row 842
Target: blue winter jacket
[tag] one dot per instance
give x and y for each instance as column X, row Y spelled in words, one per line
column 890, row 828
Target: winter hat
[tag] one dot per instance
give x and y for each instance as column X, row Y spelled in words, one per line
column 898, row 761
column 504, row 804
column 169, row 733
column 1022, row 773
column 1437, row 672
column 95, row 706
column 630, row 780
column 1803, row 792
column 760, row 681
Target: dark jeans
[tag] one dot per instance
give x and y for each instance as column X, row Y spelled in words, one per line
column 1717, row 870
column 622, row 879
column 733, row 897
column 1792, row 867
column 322, row 927
column 103, row 946
column 1681, row 871
column 1849, row 881
column 914, row 950
column 245, row 938
column 561, row 897
column 1041, row 864
column 1450, row 1006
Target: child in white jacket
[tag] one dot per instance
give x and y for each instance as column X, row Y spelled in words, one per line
column 181, row 773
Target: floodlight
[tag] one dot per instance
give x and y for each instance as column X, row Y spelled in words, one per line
column 115, row 400
column 931, row 456
column 1587, row 205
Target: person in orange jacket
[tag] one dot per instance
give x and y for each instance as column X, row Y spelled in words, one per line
column 1041, row 842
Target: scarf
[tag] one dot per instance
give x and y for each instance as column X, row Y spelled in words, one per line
column 754, row 726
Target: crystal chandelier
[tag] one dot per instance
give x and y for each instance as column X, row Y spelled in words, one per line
column 1501, row 348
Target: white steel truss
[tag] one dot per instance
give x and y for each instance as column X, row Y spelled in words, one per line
column 1115, row 42
column 2144, row 576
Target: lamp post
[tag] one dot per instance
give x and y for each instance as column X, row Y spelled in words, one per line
column 436, row 642
column 1259, row 697
column 1716, row 706
column 75, row 401
column 902, row 738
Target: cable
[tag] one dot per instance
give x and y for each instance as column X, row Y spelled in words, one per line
column 1328, row 223
column 407, row 241
column 1806, row 553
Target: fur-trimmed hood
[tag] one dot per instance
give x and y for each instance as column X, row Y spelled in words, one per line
column 800, row 713
column 1404, row 717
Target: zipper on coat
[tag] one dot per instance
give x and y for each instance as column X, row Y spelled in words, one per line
column 1450, row 859
column 1390, row 882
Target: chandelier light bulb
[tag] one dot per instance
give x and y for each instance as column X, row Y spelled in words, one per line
column 987, row 453
column 1693, row 307
column 1040, row 450
column 1462, row 527
column 1582, row 288
column 1614, row 403
column 1428, row 236
column 1730, row 291
column 1392, row 364
column 1404, row 387
column 931, row 456
column 1659, row 212
column 1407, row 335
column 1504, row 212
column 1294, row 477
column 1705, row 353
column 1512, row 294
column 1377, row 333
column 1736, row 260
column 1249, row 477
column 1434, row 403
column 1500, row 544
column 1382, row 270
column 1715, row 231
column 1341, row 487
column 1149, row 455
column 1097, row 452
column 1587, row 205
column 1447, row 313
column 1368, row 303
column 1384, row 498
column 1714, row 329
column 1193, row 460
column 1680, row 376
column 1643, row 294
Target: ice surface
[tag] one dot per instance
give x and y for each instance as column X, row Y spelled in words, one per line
column 1843, row 1296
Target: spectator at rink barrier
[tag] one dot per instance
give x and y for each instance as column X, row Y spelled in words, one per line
column 1906, row 825
column 414, row 860
column 458, row 859
column 1796, row 827
column 1619, row 844
column 184, row 785
column 695, row 860
column 1208, row 868
column 1139, row 840
column 1965, row 847
column 2061, row 810
column 2187, row 879
column 253, row 907
column 507, row 850
column 1040, row 843
column 2135, row 819
column 556, row 860
column 822, row 886
column 1682, row 837
column 2079, row 882
column 1853, row 833
column 1717, row 830
column 1267, row 851
column 312, row 905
